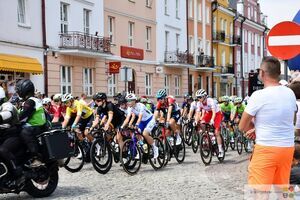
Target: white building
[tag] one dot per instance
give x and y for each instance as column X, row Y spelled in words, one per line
column 21, row 41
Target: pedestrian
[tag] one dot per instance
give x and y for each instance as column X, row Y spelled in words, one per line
column 295, row 86
column 269, row 118
column 295, row 172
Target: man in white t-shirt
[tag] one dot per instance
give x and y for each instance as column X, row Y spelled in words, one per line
column 272, row 109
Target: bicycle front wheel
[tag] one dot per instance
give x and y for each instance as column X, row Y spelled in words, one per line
column 131, row 157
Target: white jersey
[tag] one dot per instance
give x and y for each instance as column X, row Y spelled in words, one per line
column 138, row 109
column 208, row 106
column 273, row 108
column 298, row 116
column 194, row 105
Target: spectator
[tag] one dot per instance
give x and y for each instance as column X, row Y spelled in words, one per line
column 295, row 172
column 272, row 109
column 295, row 86
column 10, row 87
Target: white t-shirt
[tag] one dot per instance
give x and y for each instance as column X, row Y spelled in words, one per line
column 138, row 109
column 210, row 104
column 298, row 116
column 273, row 108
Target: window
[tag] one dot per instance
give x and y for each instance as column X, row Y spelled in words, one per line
column 230, row 58
column 111, row 29
column 190, row 8
column 208, row 85
column 166, row 40
column 223, row 58
column 148, row 84
column 208, row 47
column 238, row 31
column 246, row 36
column 177, row 85
column 167, row 83
column 199, row 14
column 166, row 7
column 222, row 24
column 65, row 80
column 249, row 11
column 177, row 41
column 252, row 38
column 225, row 26
column 148, row 3
column 200, row 47
column 255, row 15
column 112, row 86
column 148, row 38
column 258, row 40
column 207, row 15
column 238, row 56
column 215, row 55
column 200, row 82
column 22, row 11
column 86, row 21
column 246, row 63
column 215, row 89
column 88, row 81
column 63, row 18
column 177, row 9
column 191, row 44
column 130, row 33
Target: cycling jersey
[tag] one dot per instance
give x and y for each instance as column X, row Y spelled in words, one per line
column 208, row 106
column 227, row 108
column 238, row 110
column 79, row 109
column 118, row 115
column 138, row 109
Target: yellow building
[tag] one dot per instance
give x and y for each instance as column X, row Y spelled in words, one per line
column 223, row 23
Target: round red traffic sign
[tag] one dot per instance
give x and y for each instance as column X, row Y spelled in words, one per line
column 283, row 40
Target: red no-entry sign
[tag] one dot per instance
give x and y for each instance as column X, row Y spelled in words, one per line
column 283, row 40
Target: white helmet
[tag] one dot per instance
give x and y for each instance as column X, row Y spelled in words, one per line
column 2, row 93
column 238, row 100
column 283, row 82
column 201, row 93
column 46, row 101
column 57, row 97
column 131, row 96
column 66, row 97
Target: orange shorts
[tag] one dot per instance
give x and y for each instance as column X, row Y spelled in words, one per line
column 270, row 166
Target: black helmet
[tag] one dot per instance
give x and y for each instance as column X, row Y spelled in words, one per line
column 25, row 88
column 122, row 100
column 100, row 95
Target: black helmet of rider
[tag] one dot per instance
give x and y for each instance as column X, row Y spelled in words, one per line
column 122, row 100
column 25, row 88
column 100, row 95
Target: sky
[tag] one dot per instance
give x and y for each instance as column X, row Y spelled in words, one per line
column 279, row 10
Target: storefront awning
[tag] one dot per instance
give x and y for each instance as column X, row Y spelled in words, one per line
column 15, row 63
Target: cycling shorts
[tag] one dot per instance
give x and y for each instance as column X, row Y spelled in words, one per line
column 217, row 121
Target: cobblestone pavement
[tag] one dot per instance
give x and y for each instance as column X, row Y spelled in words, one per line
column 189, row 180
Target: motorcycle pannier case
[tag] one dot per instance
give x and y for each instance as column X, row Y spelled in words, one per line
column 56, row 144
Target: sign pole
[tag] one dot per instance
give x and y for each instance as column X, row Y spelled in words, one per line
column 125, row 78
column 286, row 70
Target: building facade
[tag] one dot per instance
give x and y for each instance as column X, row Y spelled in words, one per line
column 250, row 31
column 223, row 43
column 21, row 41
column 200, row 45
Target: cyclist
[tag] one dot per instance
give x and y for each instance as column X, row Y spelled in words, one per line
column 226, row 108
column 237, row 110
column 145, row 122
column 77, row 114
column 211, row 114
column 59, row 109
column 186, row 105
column 49, row 111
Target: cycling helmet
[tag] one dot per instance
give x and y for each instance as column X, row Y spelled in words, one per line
column 225, row 98
column 122, row 100
column 150, row 101
column 131, row 96
column 66, row 97
column 143, row 100
column 201, row 93
column 57, row 97
column 14, row 100
column 46, row 101
column 161, row 93
column 25, row 88
column 100, row 95
column 238, row 100
column 2, row 93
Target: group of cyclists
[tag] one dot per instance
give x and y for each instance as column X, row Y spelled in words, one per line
column 127, row 110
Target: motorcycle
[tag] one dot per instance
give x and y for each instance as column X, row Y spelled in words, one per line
column 39, row 181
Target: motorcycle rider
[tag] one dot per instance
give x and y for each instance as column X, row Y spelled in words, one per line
column 32, row 117
column 10, row 141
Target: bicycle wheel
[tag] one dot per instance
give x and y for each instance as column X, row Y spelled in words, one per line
column 225, row 134
column 232, row 144
column 101, row 156
column 179, row 150
column 195, row 141
column 239, row 144
column 221, row 159
column 189, row 133
column 131, row 157
column 158, row 162
column 205, row 148
column 75, row 163
column 167, row 150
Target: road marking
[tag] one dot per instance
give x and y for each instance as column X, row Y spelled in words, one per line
column 286, row 40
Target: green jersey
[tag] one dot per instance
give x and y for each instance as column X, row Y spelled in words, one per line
column 238, row 110
column 38, row 117
column 227, row 108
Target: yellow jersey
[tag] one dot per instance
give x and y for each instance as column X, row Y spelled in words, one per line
column 79, row 108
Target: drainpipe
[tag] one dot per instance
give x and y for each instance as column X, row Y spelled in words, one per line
column 45, row 47
column 242, row 50
column 234, row 50
column 264, row 42
column 188, row 46
column 213, row 9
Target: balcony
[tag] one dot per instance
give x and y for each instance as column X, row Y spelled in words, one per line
column 205, row 62
column 178, row 57
column 229, row 69
column 235, row 40
column 219, row 36
column 78, row 43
